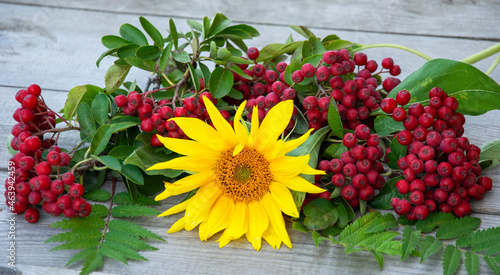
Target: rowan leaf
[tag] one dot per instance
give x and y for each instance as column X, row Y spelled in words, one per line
column 457, row 228
column 492, row 263
column 451, row 259
column 387, row 221
column 429, row 246
column 433, row 220
column 410, row 240
column 471, row 263
column 133, row 210
column 481, row 240
column 133, row 229
column 92, row 262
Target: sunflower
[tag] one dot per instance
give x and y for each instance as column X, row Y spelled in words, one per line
column 243, row 176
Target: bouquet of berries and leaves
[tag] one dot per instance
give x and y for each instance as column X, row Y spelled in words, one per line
column 310, row 131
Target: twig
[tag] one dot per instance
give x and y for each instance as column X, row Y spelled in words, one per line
column 113, row 184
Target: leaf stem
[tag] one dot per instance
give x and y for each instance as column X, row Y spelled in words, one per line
column 482, row 54
column 80, row 163
column 113, row 185
column 494, row 65
column 401, row 47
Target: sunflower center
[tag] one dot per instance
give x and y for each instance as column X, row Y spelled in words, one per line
column 245, row 177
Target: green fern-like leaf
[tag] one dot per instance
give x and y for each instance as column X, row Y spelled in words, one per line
column 77, row 234
column 352, row 231
column 380, row 258
column 76, row 245
column 494, row 250
column 492, row 263
column 451, row 259
column 92, row 262
column 113, row 254
column 81, row 255
column 457, row 228
column 133, row 210
column 387, row 221
column 481, row 240
column 471, row 263
column 411, row 238
column 99, row 210
column 97, row 195
column 133, row 229
column 390, row 247
column 433, row 220
column 133, row 242
column 124, row 198
column 89, row 222
column 429, row 246
column 123, row 250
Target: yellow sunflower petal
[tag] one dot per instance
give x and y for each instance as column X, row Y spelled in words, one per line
column 197, row 211
column 187, row 147
column 276, row 151
column 237, row 149
column 258, row 222
column 294, row 143
column 222, row 126
column 274, row 124
column 289, row 166
column 177, row 226
column 284, row 199
column 219, row 218
column 298, row 183
column 238, row 225
column 190, row 182
column 187, row 163
column 239, row 129
column 276, row 218
column 271, row 237
column 254, row 127
column 200, row 131
column 176, row 208
column 308, row 170
column 163, row 195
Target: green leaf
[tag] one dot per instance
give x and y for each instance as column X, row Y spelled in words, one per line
column 100, row 108
column 492, row 264
column 451, row 259
column 123, row 250
column 268, row 51
column 316, row 46
column 221, row 82
column 126, row 51
column 146, row 156
column 133, row 229
column 152, row 32
column 9, row 147
column 81, row 255
column 85, row 119
column 124, row 198
column 92, row 263
column 338, row 44
column 88, row 222
column 457, row 228
column 113, row 41
column 93, row 180
column 397, row 151
column 181, row 56
column 121, row 211
column 100, row 139
column 343, row 219
column 385, row 125
column 164, row 56
column 195, row 25
column 383, row 198
column 235, row 94
column 433, row 220
column 132, row 173
column 471, row 263
column 317, row 238
column 387, row 221
column 134, row 242
column 113, row 254
column 173, row 33
column 491, row 151
column 481, row 240
column 302, row 31
column 320, row 214
column 299, row 227
column 476, row 92
column 76, row 235
column 334, row 151
column 109, row 161
column 380, row 258
column 115, row 76
column 133, row 34
column 218, row 23
column 313, row 60
column 99, row 211
column 410, row 240
column 147, row 65
column 121, row 152
column 334, row 120
column 97, row 195
column 148, row 52
column 429, row 246
column 194, row 79
column 73, row 100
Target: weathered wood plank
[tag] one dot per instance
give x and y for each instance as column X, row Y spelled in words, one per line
column 43, row 48
column 467, row 19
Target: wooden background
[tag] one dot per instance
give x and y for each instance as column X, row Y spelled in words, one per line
column 55, row 44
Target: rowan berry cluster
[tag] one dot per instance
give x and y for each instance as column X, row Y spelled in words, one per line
column 37, row 177
column 441, row 169
column 358, row 171
column 155, row 114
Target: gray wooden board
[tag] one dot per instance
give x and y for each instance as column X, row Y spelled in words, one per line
column 56, row 43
